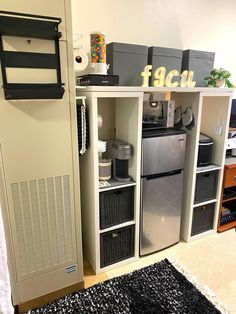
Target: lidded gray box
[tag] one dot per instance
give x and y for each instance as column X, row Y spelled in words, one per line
column 170, row 58
column 201, row 62
column 127, row 61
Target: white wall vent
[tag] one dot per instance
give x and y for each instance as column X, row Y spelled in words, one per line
column 44, row 224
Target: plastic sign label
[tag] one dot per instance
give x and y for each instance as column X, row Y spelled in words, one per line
column 162, row 79
column 70, row 269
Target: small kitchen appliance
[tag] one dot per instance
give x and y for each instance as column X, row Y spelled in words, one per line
column 98, row 80
column 163, row 157
column 96, row 72
column 120, row 153
column 98, row 53
column 158, row 114
column 204, row 150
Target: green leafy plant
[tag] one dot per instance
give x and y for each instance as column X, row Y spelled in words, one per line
column 218, row 78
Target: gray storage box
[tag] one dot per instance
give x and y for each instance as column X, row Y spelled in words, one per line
column 201, row 62
column 127, row 61
column 169, row 58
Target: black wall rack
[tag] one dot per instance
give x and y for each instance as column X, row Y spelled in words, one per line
column 32, row 26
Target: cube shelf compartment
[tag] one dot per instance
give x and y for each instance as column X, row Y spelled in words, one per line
column 206, row 184
column 116, row 245
column 203, row 217
column 116, row 206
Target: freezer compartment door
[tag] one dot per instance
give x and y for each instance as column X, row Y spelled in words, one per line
column 163, row 154
column 161, row 204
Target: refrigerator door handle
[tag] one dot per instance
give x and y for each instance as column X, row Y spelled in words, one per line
column 164, row 174
column 141, row 211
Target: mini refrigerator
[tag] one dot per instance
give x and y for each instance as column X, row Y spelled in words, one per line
column 163, row 156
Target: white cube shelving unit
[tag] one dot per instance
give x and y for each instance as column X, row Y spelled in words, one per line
column 122, row 117
column 121, row 108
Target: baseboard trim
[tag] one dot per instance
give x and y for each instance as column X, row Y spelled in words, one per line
column 47, row 298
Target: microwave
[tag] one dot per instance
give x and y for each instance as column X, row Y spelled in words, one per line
column 158, row 114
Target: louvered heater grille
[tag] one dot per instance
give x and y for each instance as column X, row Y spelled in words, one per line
column 44, row 223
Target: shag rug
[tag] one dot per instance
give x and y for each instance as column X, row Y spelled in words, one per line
column 159, row 288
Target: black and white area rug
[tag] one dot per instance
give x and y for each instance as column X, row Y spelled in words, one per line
column 159, row 288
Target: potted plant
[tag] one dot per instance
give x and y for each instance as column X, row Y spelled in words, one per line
column 219, row 77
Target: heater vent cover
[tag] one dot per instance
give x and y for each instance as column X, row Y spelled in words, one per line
column 44, row 224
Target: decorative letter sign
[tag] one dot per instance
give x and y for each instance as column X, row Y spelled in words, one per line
column 146, row 74
column 159, row 76
column 183, row 80
column 161, row 79
column 190, row 82
column 169, row 77
column 187, row 79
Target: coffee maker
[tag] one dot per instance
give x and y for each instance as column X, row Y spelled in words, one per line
column 120, row 153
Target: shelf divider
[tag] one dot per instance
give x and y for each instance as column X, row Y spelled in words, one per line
column 27, row 25
column 121, row 225
column 211, row 167
column 205, row 202
column 114, row 184
column 227, row 226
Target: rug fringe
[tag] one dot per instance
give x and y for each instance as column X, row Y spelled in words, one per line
column 208, row 293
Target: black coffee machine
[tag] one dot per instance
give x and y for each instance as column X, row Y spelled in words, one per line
column 204, row 150
column 120, row 153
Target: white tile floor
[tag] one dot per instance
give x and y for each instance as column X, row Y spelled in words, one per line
column 212, row 260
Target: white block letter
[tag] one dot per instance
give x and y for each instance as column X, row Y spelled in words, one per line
column 159, row 76
column 169, row 77
column 187, row 79
column 146, row 74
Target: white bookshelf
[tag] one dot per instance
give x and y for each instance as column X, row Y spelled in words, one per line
column 121, row 107
column 122, row 118
column 211, row 108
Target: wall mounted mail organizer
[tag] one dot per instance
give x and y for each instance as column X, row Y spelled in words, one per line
column 16, row 63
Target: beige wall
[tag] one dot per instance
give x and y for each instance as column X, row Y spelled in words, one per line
column 38, row 146
column 196, row 24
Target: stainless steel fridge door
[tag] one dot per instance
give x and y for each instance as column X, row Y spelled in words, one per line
column 163, row 154
column 160, row 212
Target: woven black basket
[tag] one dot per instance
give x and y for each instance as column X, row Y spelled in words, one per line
column 116, row 245
column 205, row 186
column 116, row 206
column 203, row 217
